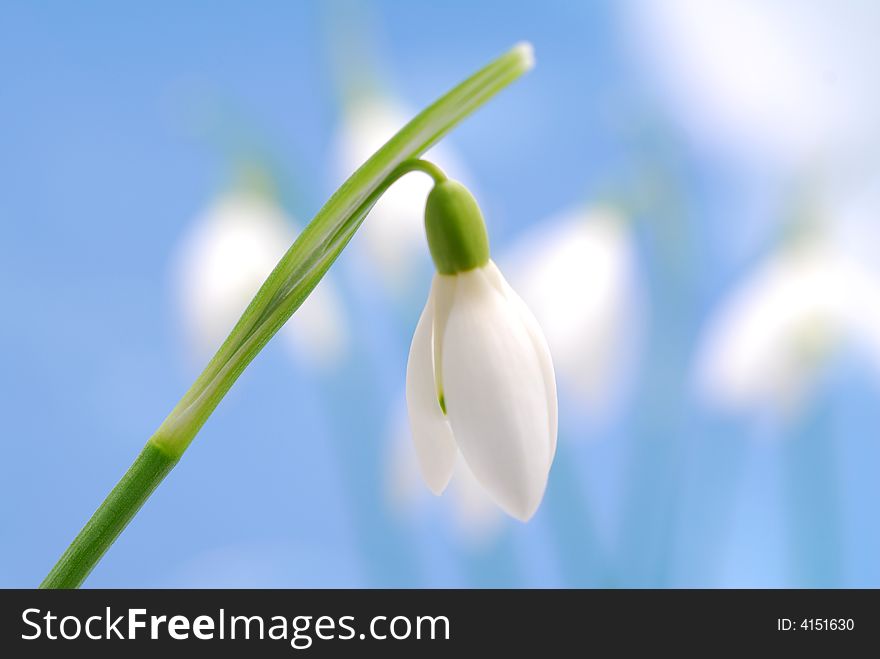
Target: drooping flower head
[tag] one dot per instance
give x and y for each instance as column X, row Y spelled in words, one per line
column 480, row 381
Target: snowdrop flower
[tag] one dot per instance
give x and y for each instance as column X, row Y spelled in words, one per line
column 391, row 239
column 763, row 348
column 587, row 255
column 220, row 265
column 584, row 255
column 480, row 381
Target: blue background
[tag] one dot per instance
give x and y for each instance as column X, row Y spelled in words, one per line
column 104, row 161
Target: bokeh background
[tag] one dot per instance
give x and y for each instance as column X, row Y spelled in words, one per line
column 685, row 191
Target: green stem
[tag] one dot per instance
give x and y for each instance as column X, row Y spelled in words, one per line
column 429, row 168
column 295, row 276
column 124, row 500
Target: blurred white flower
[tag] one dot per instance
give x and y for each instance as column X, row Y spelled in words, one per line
column 393, row 234
column 221, row 263
column 763, row 348
column 578, row 275
column 788, row 78
column 480, row 383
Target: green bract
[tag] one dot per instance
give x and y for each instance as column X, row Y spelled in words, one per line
column 456, row 231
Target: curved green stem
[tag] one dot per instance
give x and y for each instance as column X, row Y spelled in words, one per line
column 428, row 168
column 295, row 276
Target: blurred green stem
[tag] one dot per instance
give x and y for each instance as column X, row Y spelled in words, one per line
column 295, row 276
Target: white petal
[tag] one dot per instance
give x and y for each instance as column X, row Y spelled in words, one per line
column 539, row 342
column 443, row 295
column 496, row 398
column 432, row 436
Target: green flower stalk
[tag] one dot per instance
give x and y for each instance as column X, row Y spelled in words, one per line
column 295, row 276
